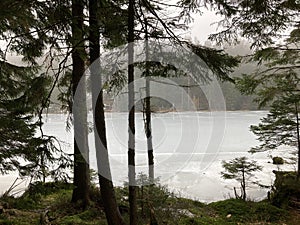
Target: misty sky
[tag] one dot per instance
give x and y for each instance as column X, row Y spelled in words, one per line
column 203, row 26
column 200, row 30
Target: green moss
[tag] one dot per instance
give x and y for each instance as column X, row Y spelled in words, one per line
column 205, row 221
column 19, row 217
column 22, row 203
column 6, row 222
column 74, row 220
column 242, row 211
column 277, row 160
column 39, row 196
column 287, row 188
column 89, row 214
column 167, row 208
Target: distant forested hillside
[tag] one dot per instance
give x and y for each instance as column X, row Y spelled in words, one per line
column 234, row 99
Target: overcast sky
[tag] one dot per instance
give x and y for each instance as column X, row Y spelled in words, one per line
column 200, row 29
column 202, row 25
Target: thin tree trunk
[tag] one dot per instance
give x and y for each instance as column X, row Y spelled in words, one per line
column 112, row 213
column 298, row 139
column 81, row 167
column 131, row 116
column 43, row 166
column 243, row 186
column 148, row 128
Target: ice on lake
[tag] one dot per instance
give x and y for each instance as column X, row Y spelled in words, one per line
column 188, row 150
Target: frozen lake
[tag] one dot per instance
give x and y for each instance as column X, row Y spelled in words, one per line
column 188, row 149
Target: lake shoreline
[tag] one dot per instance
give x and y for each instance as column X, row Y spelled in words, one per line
column 198, row 160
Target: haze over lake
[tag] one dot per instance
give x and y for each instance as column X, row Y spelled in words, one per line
column 188, row 149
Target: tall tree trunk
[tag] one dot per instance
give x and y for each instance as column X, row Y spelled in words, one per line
column 81, row 167
column 112, row 213
column 131, row 116
column 298, row 139
column 148, row 129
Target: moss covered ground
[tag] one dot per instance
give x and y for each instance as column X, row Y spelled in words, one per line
column 51, row 204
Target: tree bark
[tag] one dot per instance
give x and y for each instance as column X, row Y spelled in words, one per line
column 112, row 213
column 243, row 185
column 81, row 167
column 131, row 116
column 148, row 128
column 298, row 139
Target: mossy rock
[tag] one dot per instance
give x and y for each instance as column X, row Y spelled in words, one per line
column 278, row 160
column 287, row 189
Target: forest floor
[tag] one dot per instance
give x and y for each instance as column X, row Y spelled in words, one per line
column 51, row 204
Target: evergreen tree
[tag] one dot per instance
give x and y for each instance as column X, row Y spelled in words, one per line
column 131, row 116
column 106, row 186
column 241, row 170
column 24, row 93
column 147, row 108
column 260, row 22
column 276, row 80
column 18, row 124
column 281, row 125
column 81, row 156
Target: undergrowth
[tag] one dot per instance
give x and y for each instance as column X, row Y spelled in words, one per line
column 155, row 201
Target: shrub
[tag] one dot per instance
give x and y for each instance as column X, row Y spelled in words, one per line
column 278, row 160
